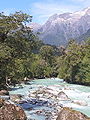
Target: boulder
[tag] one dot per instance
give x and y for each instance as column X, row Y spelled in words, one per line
column 10, row 111
column 62, row 96
column 4, row 92
column 68, row 88
column 2, row 101
column 80, row 102
column 69, row 114
column 89, row 96
column 16, row 97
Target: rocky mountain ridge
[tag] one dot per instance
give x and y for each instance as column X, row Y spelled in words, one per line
column 63, row 27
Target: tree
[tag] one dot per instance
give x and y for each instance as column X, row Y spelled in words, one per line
column 47, row 53
column 16, row 44
column 83, row 75
column 69, row 63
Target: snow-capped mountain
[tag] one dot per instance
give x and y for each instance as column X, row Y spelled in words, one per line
column 63, row 27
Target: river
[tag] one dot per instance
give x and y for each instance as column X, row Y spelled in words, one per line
column 73, row 91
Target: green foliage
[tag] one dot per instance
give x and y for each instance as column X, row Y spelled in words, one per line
column 47, row 53
column 16, row 45
column 74, row 66
column 40, row 68
column 84, row 71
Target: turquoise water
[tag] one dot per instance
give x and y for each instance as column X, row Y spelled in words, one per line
column 74, row 92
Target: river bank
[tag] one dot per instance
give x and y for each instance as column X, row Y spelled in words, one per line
column 44, row 98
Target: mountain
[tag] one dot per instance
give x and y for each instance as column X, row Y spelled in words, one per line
column 34, row 26
column 84, row 36
column 58, row 29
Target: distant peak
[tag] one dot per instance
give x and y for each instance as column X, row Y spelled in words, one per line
column 53, row 17
column 34, row 26
column 65, row 15
column 86, row 9
column 81, row 13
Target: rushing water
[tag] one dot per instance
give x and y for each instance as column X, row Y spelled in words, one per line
column 74, row 92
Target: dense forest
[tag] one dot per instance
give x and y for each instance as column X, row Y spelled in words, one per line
column 23, row 55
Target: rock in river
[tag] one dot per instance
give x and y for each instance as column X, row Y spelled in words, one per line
column 69, row 114
column 4, row 92
column 80, row 102
column 16, row 98
column 10, row 111
column 63, row 96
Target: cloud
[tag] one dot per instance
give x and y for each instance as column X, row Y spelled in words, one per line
column 78, row 0
column 50, row 8
column 84, row 3
column 44, row 9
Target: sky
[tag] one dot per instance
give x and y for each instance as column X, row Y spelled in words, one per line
column 41, row 10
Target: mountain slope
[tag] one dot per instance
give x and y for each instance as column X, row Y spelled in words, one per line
column 84, row 36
